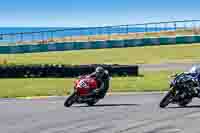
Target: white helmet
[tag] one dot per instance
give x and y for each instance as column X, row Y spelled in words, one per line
column 195, row 69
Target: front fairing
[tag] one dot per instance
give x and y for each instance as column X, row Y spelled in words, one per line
column 172, row 83
column 178, row 79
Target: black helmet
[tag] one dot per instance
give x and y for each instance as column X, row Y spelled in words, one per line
column 99, row 72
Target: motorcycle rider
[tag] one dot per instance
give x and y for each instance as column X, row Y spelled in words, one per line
column 102, row 77
column 195, row 72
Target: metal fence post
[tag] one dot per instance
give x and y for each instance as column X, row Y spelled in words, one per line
column 156, row 28
column 127, row 30
column 146, row 28
column 99, row 30
column 12, row 39
column 32, row 35
column 42, row 37
column 21, row 37
column 88, row 37
column 51, row 36
column 175, row 26
column 1, row 36
column 108, row 32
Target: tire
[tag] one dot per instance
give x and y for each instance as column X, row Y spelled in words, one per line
column 166, row 100
column 184, row 103
column 70, row 100
column 92, row 103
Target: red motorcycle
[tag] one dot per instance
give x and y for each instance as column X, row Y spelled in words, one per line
column 83, row 92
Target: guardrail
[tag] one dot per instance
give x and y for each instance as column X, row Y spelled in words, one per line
column 119, row 32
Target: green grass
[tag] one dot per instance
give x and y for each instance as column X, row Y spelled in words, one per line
column 150, row 81
column 139, row 55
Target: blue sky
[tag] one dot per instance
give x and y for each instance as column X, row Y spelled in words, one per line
column 73, row 13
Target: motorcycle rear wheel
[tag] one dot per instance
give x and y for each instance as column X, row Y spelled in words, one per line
column 184, row 103
column 92, row 103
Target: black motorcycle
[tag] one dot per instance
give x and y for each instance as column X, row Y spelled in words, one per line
column 182, row 90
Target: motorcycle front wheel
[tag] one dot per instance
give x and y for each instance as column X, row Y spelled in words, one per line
column 167, row 99
column 70, row 100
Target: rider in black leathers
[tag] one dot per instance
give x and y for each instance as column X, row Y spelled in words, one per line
column 195, row 73
column 102, row 76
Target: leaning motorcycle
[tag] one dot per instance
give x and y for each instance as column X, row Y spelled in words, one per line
column 182, row 90
column 83, row 89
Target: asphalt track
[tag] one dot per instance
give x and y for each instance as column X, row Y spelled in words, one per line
column 135, row 113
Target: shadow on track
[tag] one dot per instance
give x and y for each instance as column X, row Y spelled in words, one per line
column 109, row 105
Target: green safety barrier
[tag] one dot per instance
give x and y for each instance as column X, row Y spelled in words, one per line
column 98, row 44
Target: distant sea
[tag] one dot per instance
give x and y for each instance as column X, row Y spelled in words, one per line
column 68, row 32
column 5, row 30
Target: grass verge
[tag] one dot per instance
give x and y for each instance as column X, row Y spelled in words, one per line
column 148, row 81
column 134, row 55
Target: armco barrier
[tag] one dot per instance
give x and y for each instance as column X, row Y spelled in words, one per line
column 98, row 44
column 34, row 71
